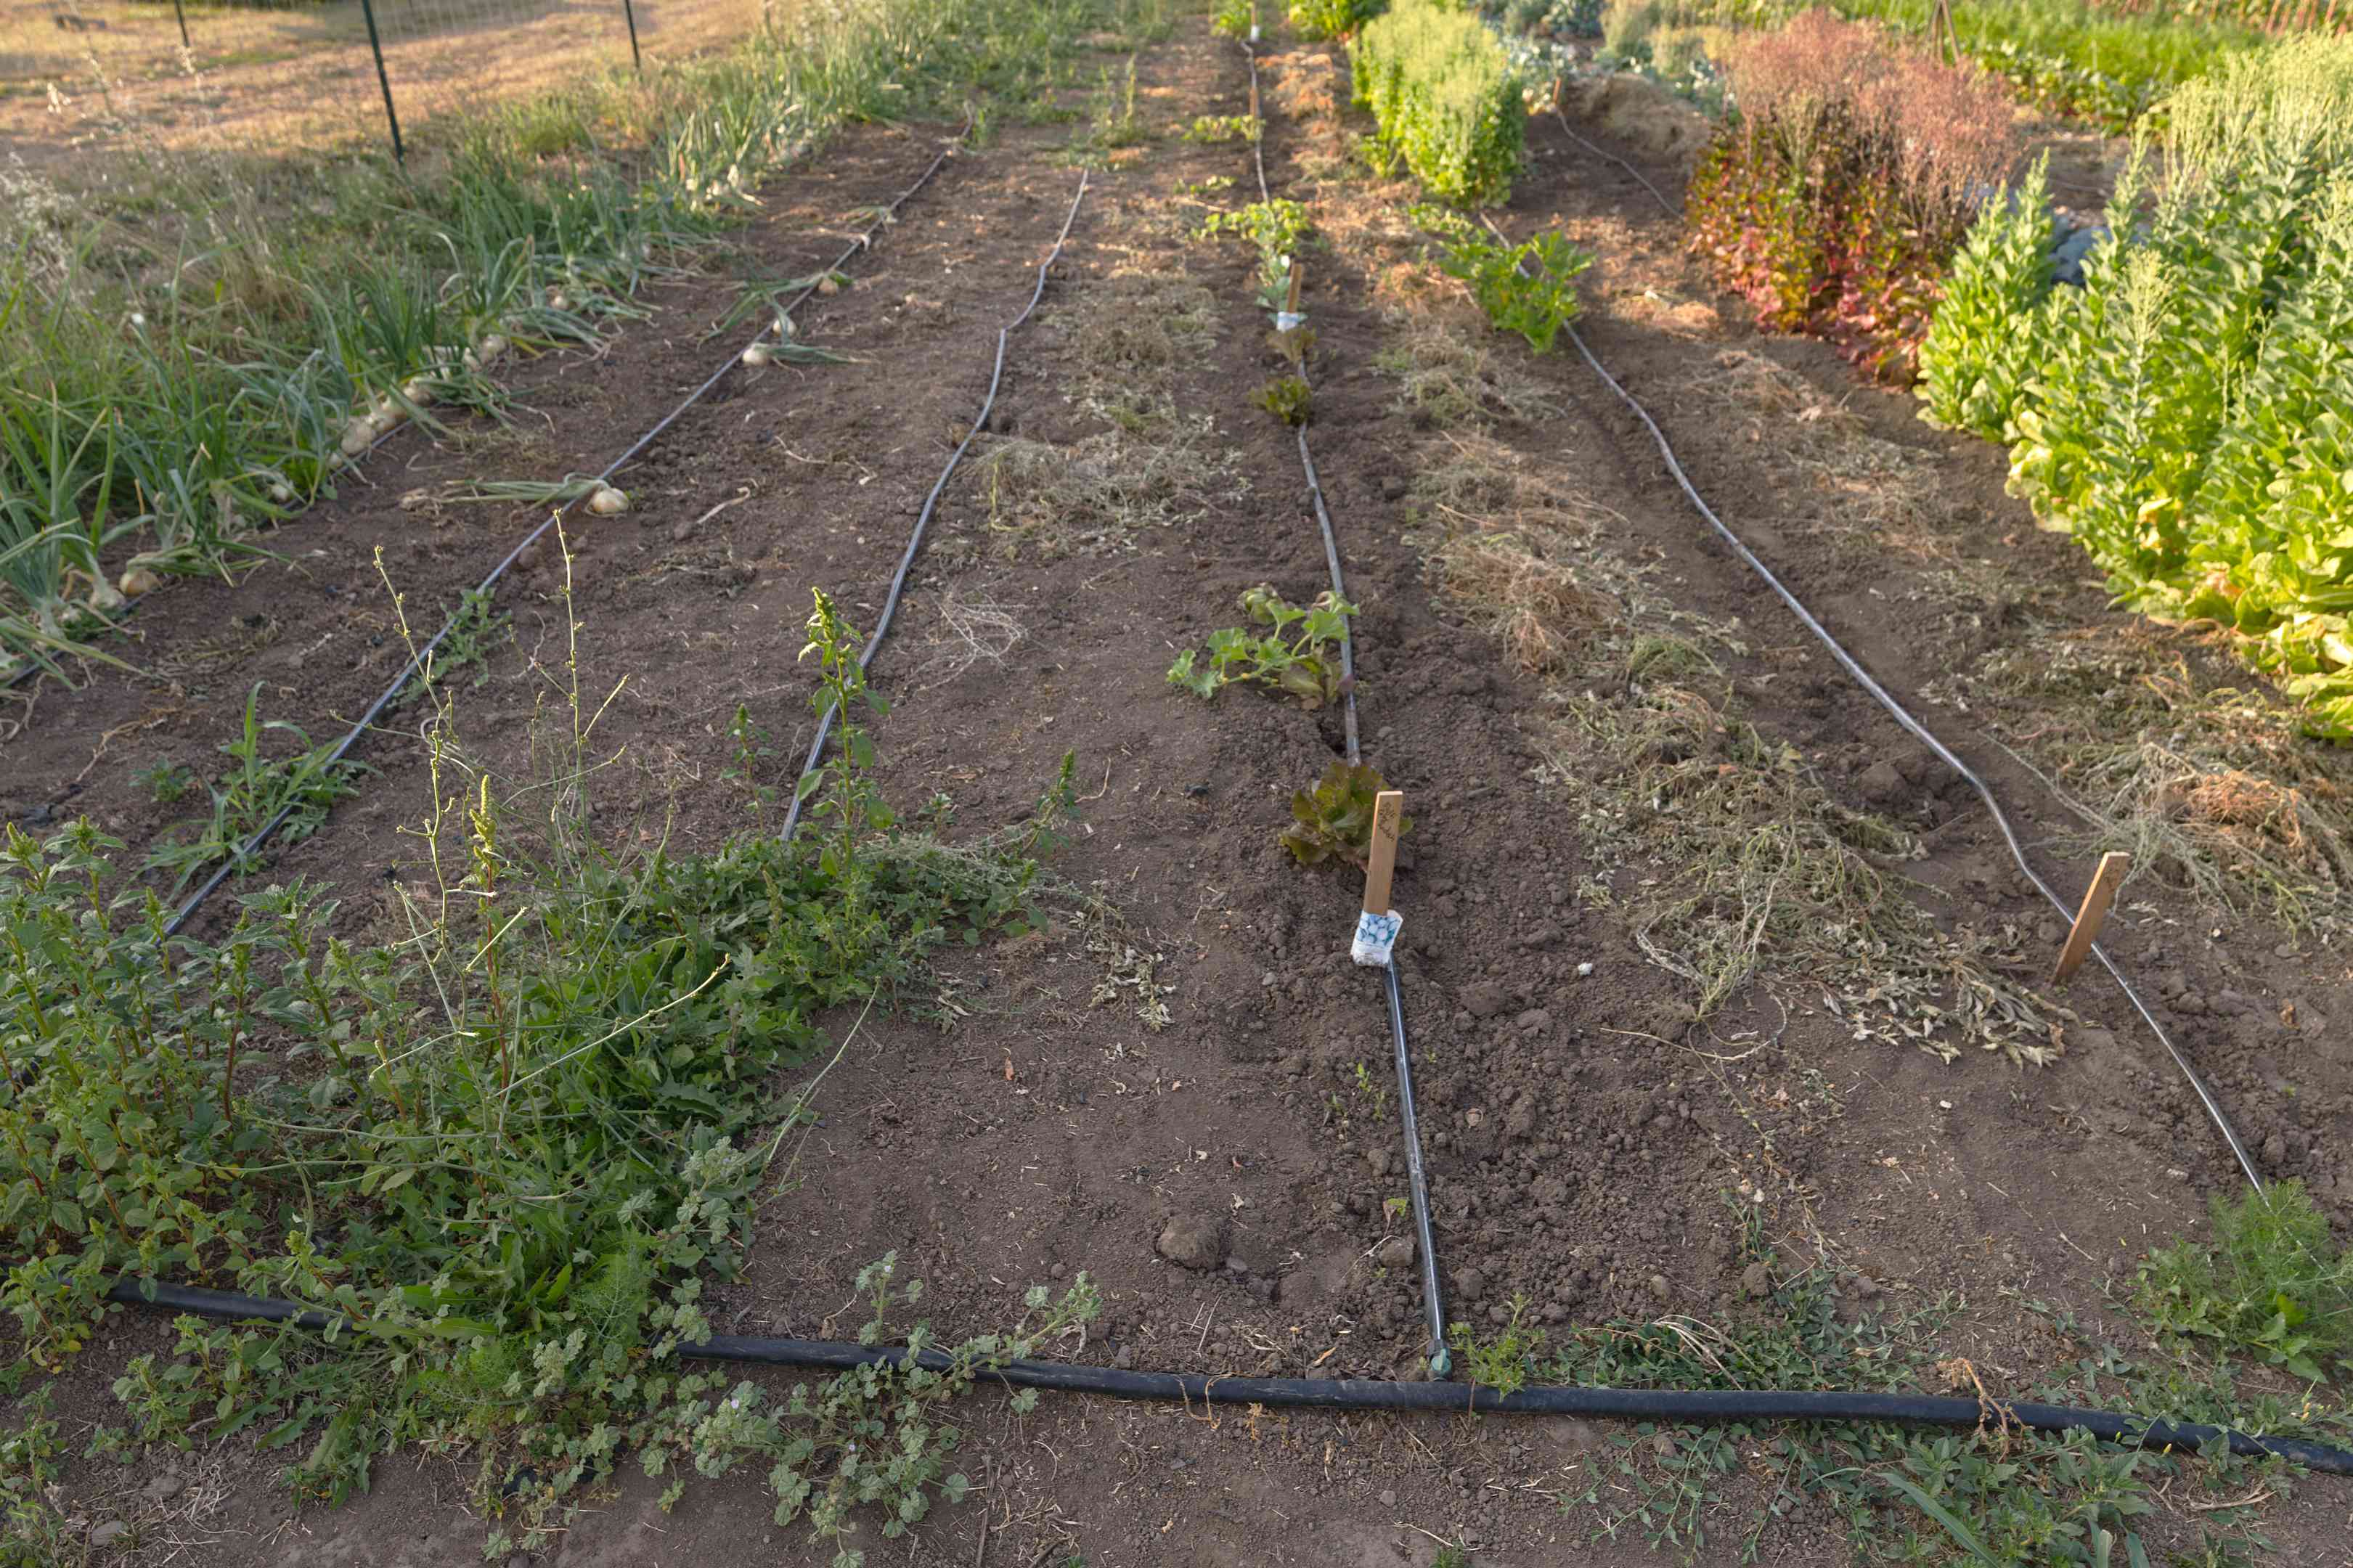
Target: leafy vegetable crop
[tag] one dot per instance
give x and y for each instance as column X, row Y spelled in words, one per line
column 1298, row 655
column 1333, row 818
column 2187, row 414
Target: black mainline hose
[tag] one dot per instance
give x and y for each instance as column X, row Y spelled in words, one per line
column 930, row 504
column 391, row 694
column 1677, row 1406
column 1920, row 733
column 1433, row 1308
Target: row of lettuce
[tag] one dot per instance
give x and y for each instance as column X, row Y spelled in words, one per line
column 2175, row 385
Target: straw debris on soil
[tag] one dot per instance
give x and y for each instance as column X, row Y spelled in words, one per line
column 1096, row 495
column 1736, row 865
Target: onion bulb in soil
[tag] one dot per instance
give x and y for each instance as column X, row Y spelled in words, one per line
column 418, row 391
column 139, row 579
column 757, row 355
column 606, row 502
column 281, row 492
column 358, row 436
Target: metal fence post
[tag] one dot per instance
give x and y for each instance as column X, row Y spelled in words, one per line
column 636, row 59
column 391, row 115
column 181, row 11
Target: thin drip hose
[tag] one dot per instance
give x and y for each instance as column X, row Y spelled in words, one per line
column 930, row 504
column 1918, row 732
column 1433, row 1307
column 1656, row 194
column 236, row 861
column 1945, row 753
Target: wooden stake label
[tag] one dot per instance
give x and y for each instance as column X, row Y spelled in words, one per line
column 2098, row 900
column 1380, row 859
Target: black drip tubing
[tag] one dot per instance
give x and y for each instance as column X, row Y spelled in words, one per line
column 1656, row 194
column 417, row 661
column 1442, row 1362
column 1673, row 1405
column 1921, row 732
column 930, row 504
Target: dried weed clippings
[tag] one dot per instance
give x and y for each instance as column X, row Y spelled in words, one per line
column 1131, row 976
column 1096, row 496
column 1447, row 375
column 1734, row 864
column 2212, row 789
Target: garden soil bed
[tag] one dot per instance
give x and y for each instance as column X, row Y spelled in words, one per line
column 1226, row 1178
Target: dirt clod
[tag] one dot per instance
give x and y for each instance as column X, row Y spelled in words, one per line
column 1192, row 1241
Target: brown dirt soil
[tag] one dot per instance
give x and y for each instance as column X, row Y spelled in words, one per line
column 1587, row 1134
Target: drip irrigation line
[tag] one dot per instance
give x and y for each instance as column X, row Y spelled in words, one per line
column 1433, row 1307
column 930, row 504
column 391, row 693
column 1921, row 732
column 1673, row 1405
column 1656, row 194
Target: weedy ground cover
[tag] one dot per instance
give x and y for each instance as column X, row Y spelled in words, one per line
column 191, row 361
column 2186, row 418
column 2001, row 1494
column 506, row 1143
column 1834, row 198
column 1445, row 97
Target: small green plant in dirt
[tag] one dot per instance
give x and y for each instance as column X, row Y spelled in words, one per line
column 1503, row 1361
column 1114, row 123
column 1333, row 819
column 1233, row 18
column 1298, row 654
column 1288, row 397
column 1215, row 128
column 166, row 782
column 1372, row 1091
column 842, row 787
column 256, row 789
column 1529, row 289
column 1451, row 1555
column 1276, row 230
column 2269, row 1284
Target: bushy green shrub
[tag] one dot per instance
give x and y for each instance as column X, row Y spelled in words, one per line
column 1445, row 97
column 1977, row 357
column 2189, row 416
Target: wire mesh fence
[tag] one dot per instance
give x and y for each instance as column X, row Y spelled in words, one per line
column 281, row 75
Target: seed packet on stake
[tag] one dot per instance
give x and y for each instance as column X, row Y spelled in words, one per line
column 1376, row 924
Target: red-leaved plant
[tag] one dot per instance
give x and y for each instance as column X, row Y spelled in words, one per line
column 1849, row 174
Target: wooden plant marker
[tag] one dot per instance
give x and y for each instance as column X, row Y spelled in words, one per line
column 1380, row 856
column 2098, row 900
column 1291, row 305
